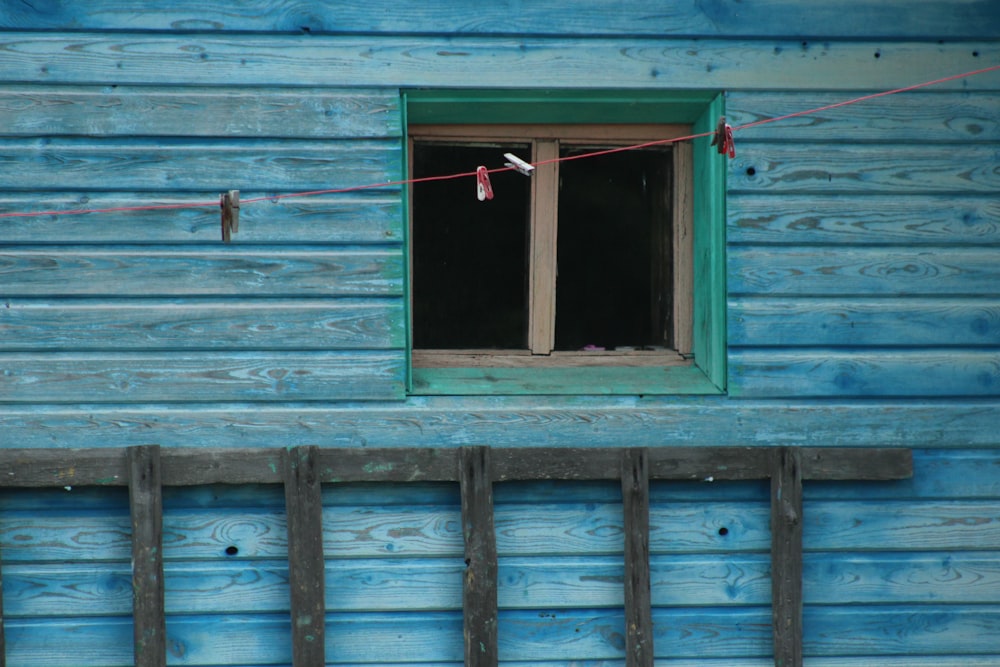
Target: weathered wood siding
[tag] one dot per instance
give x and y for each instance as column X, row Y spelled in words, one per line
column 863, row 256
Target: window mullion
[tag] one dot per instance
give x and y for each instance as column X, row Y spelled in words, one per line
column 544, row 228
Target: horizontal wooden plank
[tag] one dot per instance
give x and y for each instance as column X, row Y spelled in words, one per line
column 840, row 168
column 949, row 474
column 109, row 111
column 773, row 17
column 449, row 61
column 562, row 380
column 401, row 585
column 943, row 474
column 863, row 271
column 863, row 219
column 690, row 634
column 647, row 17
column 882, row 372
column 664, row 463
column 171, row 165
column 911, row 322
column 914, row 117
column 389, row 465
column 517, row 421
column 212, row 324
column 67, row 467
column 349, row 219
column 202, row 376
column 223, row 271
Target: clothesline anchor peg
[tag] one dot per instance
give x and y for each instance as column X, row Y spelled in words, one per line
column 229, row 202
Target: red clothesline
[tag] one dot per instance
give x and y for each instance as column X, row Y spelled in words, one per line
column 426, row 179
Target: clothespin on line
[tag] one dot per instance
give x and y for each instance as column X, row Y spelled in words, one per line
column 484, row 189
column 519, row 165
column 724, row 138
column 229, row 202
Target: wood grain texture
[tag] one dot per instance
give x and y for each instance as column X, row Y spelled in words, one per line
column 639, row 648
column 870, row 322
column 146, row 510
column 479, row 580
column 334, row 219
column 828, row 169
column 432, row 638
column 234, row 271
column 306, row 581
column 863, row 271
column 407, row 61
column 123, row 111
column 176, row 165
column 883, row 19
column 786, row 556
column 880, row 372
column 220, row 586
column 914, row 117
column 590, row 529
column 210, row 324
column 517, row 421
column 869, row 219
column 202, row 376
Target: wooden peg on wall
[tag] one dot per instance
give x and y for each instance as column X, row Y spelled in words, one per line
column 229, row 202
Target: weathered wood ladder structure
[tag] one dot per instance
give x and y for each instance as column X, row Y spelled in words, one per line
column 302, row 470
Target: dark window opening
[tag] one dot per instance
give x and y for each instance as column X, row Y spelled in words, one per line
column 470, row 258
column 613, row 288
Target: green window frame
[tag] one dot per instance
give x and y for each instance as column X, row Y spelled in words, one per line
column 700, row 109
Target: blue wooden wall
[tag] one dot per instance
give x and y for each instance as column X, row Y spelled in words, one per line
column 863, row 265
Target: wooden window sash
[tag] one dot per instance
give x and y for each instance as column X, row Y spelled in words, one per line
column 545, row 140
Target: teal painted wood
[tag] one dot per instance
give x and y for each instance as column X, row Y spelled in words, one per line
column 36, row 271
column 403, row 585
column 825, row 169
column 872, row 271
column 512, row 421
column 913, row 322
column 913, row 117
column 593, row 529
column 692, row 634
column 94, row 58
column 201, row 376
column 216, row 324
column 121, row 111
column 348, row 219
column 875, row 372
column 174, row 165
column 863, row 220
column 771, row 18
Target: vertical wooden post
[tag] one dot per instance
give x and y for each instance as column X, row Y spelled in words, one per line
column 786, row 556
column 306, row 578
column 146, row 509
column 3, row 641
column 479, row 590
column 638, row 602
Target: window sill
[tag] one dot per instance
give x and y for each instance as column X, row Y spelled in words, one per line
column 674, row 380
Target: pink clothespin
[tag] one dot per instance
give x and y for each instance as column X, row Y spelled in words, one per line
column 484, row 189
column 724, row 138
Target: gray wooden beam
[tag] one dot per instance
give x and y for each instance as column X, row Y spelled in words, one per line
column 306, row 577
column 786, row 556
column 479, row 590
column 638, row 601
column 146, row 510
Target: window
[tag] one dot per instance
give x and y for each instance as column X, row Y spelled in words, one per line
column 577, row 279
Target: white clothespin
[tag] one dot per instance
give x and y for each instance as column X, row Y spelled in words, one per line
column 518, row 164
column 484, row 189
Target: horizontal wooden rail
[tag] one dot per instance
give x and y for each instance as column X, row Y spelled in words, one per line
column 145, row 469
